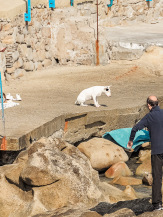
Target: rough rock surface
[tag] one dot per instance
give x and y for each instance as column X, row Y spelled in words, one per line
column 138, row 206
column 145, row 167
column 144, row 154
column 126, row 181
column 121, row 213
column 102, row 153
column 51, row 174
column 118, row 169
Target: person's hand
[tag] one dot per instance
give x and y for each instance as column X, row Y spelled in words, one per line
column 130, row 144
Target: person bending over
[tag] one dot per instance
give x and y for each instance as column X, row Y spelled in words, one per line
column 154, row 122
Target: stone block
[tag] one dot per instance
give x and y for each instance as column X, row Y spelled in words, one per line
column 7, row 27
column 48, row 55
column 18, row 63
column 35, row 56
column 28, row 40
column 20, row 38
column 41, row 55
column 47, row 62
column 2, row 62
column 29, row 66
column 10, row 70
column 29, row 54
column 18, row 73
column 23, row 49
column 15, row 56
column 126, row 54
column 39, row 66
column 37, row 25
column 8, row 40
column 46, row 32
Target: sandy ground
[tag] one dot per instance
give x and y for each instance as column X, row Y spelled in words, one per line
column 52, row 92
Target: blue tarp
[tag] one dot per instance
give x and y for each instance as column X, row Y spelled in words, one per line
column 121, row 137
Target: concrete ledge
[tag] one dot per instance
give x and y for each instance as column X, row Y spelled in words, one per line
column 10, row 9
column 78, row 127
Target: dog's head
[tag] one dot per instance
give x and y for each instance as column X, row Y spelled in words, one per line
column 107, row 90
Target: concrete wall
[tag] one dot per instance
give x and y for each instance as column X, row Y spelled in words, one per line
column 67, row 35
column 79, row 127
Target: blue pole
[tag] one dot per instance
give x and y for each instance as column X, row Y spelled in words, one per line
column 148, row 0
column 111, row 3
column 51, row 3
column 72, row 2
column 3, row 117
column 27, row 16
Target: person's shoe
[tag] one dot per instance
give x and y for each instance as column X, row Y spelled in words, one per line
column 157, row 208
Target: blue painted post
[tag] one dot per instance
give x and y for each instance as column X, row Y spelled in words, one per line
column 111, row 3
column 51, row 3
column 27, row 16
column 3, row 117
column 72, row 2
column 148, row 0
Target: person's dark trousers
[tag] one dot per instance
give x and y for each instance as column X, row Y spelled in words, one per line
column 157, row 163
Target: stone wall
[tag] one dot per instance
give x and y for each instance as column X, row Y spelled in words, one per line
column 67, row 36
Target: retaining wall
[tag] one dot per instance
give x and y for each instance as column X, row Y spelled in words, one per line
column 66, row 35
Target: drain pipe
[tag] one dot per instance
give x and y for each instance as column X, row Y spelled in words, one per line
column 111, row 3
column 72, row 2
column 52, row 4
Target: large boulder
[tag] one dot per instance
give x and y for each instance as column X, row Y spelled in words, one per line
column 14, row 201
column 70, row 211
column 122, row 213
column 102, row 153
column 51, row 174
column 148, row 179
column 126, row 181
column 63, row 171
column 130, row 192
column 143, row 155
column 113, row 194
column 118, row 169
column 145, row 167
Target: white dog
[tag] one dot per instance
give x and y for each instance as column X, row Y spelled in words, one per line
column 92, row 93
